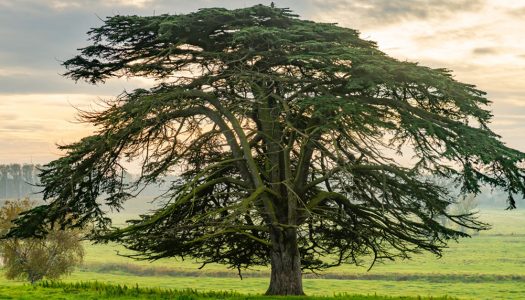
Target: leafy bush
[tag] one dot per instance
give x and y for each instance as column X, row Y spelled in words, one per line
column 35, row 258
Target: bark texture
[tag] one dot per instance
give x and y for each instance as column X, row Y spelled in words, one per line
column 286, row 278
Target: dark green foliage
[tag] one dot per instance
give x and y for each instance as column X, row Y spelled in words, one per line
column 280, row 128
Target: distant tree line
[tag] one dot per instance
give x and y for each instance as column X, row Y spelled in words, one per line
column 18, row 181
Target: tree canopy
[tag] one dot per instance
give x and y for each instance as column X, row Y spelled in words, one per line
column 284, row 134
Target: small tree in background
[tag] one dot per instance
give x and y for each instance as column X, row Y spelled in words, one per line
column 35, row 258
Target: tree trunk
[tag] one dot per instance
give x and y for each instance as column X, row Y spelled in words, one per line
column 286, row 278
column 34, row 277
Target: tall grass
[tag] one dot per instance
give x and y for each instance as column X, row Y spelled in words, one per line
column 117, row 291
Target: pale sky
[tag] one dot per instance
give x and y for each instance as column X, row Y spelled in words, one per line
column 482, row 41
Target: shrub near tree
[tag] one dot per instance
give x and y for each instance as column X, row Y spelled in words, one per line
column 282, row 132
column 37, row 258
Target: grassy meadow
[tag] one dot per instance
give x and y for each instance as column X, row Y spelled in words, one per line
column 490, row 265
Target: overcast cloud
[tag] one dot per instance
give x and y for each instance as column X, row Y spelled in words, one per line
column 381, row 13
column 481, row 40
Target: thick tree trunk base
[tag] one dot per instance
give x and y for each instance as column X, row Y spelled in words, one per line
column 285, row 286
column 286, row 278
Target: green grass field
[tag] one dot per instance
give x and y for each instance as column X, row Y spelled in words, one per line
column 490, row 265
column 97, row 290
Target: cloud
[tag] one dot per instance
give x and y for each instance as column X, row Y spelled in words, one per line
column 31, row 124
column 49, row 81
column 475, row 38
column 517, row 11
column 38, row 35
column 24, row 150
column 485, row 50
column 484, row 38
column 18, row 127
column 374, row 13
column 68, row 4
column 7, row 117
